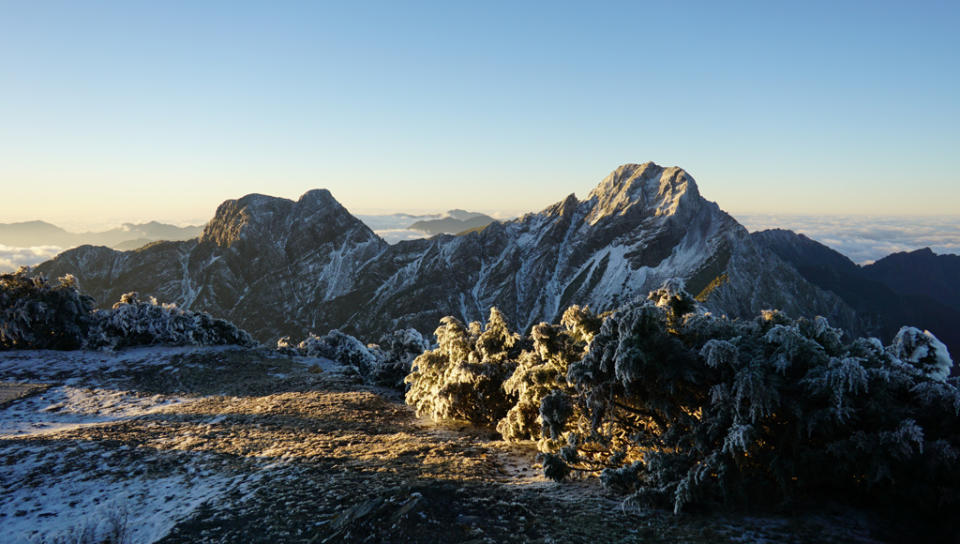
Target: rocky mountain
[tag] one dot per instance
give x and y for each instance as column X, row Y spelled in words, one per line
column 455, row 221
column 917, row 288
column 277, row 267
column 41, row 233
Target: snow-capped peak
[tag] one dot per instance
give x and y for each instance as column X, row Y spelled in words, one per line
column 655, row 189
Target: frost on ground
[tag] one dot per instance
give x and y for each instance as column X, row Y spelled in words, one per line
column 182, row 445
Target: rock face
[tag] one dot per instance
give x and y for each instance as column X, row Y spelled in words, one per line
column 264, row 263
column 277, row 267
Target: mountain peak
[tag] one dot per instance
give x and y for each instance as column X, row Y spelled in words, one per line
column 650, row 187
column 317, row 197
column 266, row 217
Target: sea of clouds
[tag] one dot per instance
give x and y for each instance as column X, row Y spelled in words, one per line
column 393, row 227
column 12, row 258
column 865, row 239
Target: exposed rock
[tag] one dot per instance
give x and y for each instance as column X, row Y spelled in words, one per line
column 277, row 267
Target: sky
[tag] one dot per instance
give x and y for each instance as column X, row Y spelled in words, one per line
column 132, row 111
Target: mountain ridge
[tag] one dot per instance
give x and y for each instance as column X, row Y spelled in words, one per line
column 887, row 294
column 278, row 267
column 41, row 233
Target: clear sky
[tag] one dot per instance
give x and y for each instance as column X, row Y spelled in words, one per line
column 125, row 111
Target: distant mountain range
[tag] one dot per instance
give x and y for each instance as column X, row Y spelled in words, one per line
column 127, row 236
column 397, row 227
column 455, row 222
column 279, row 267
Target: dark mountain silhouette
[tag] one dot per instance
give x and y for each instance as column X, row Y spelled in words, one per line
column 920, row 272
column 902, row 289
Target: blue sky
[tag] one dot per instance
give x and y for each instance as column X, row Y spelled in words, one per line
column 120, row 111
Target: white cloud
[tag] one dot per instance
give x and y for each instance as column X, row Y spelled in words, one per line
column 392, row 236
column 12, row 258
column 397, row 221
column 865, row 239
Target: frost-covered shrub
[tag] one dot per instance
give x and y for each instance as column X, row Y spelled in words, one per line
column 687, row 408
column 386, row 363
column 676, row 407
column 338, row 346
column 286, row 346
column 395, row 353
column 922, row 350
column 37, row 314
column 463, row 377
column 133, row 322
column 542, row 371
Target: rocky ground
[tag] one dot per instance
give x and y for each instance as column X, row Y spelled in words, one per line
column 179, row 445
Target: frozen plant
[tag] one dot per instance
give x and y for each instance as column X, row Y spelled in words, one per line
column 134, row 322
column 395, row 353
column 463, row 377
column 341, row 347
column 38, row 314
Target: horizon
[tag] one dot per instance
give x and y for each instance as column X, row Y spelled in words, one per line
column 134, row 112
column 863, row 238
column 72, row 224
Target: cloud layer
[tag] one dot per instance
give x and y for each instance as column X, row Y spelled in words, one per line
column 865, row 239
column 12, row 258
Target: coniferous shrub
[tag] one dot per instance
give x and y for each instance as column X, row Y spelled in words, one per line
column 339, row 346
column 386, row 363
column 38, row 314
column 395, row 353
column 463, row 377
column 135, row 322
column 676, row 407
column 542, row 371
column 35, row 314
column 698, row 409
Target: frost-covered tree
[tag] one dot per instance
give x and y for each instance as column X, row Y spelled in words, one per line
column 38, row 314
column 542, row 371
column 695, row 408
column 463, row 377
